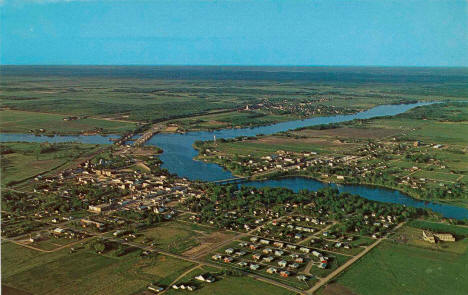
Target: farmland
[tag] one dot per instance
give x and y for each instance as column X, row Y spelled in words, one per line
column 112, row 98
column 46, row 123
column 24, row 160
column 394, row 267
column 31, row 271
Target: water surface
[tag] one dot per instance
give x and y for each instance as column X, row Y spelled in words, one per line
column 369, row 192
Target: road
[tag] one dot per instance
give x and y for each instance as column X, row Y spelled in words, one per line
column 200, row 262
column 348, row 263
column 180, row 277
column 198, row 259
column 148, row 134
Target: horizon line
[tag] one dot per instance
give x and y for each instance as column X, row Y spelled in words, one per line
column 229, row 65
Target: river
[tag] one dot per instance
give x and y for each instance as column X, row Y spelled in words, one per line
column 178, row 157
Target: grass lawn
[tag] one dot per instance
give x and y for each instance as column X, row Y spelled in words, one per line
column 24, row 121
column 391, row 268
column 84, row 272
column 175, row 236
column 25, row 160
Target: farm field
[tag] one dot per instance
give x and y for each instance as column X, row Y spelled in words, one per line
column 84, row 272
column 395, row 267
column 24, row 122
column 153, row 94
column 23, row 160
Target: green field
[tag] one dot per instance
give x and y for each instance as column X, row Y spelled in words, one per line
column 175, row 236
column 399, row 269
column 24, row 160
column 25, row 122
column 146, row 94
column 84, row 272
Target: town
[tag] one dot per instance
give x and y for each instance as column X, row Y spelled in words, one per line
column 298, row 241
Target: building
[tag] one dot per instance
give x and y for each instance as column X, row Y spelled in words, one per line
column 428, row 237
column 99, row 208
column 87, row 222
column 445, row 237
column 271, row 270
column 434, row 237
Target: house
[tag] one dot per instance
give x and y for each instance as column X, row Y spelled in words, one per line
column 279, row 253
column 299, row 260
column 268, row 259
column 253, row 239
column 99, row 208
column 216, row 257
column 240, row 253
column 191, row 288
column 228, row 259
column 59, row 231
column 278, row 244
column 284, row 273
column 87, row 222
column 267, row 250
column 256, row 256
column 304, row 249
column 205, row 278
column 243, row 244
column 155, row 288
column 242, row 264
column 294, row 265
column 264, row 242
column 301, row 278
column 282, row 263
column 254, row 266
column 322, row 265
column 271, row 270
column 229, row 251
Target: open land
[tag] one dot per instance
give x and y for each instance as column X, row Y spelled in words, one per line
column 394, row 267
column 21, row 161
column 108, row 100
column 25, row 122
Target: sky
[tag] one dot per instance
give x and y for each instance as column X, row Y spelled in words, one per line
column 234, row 32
